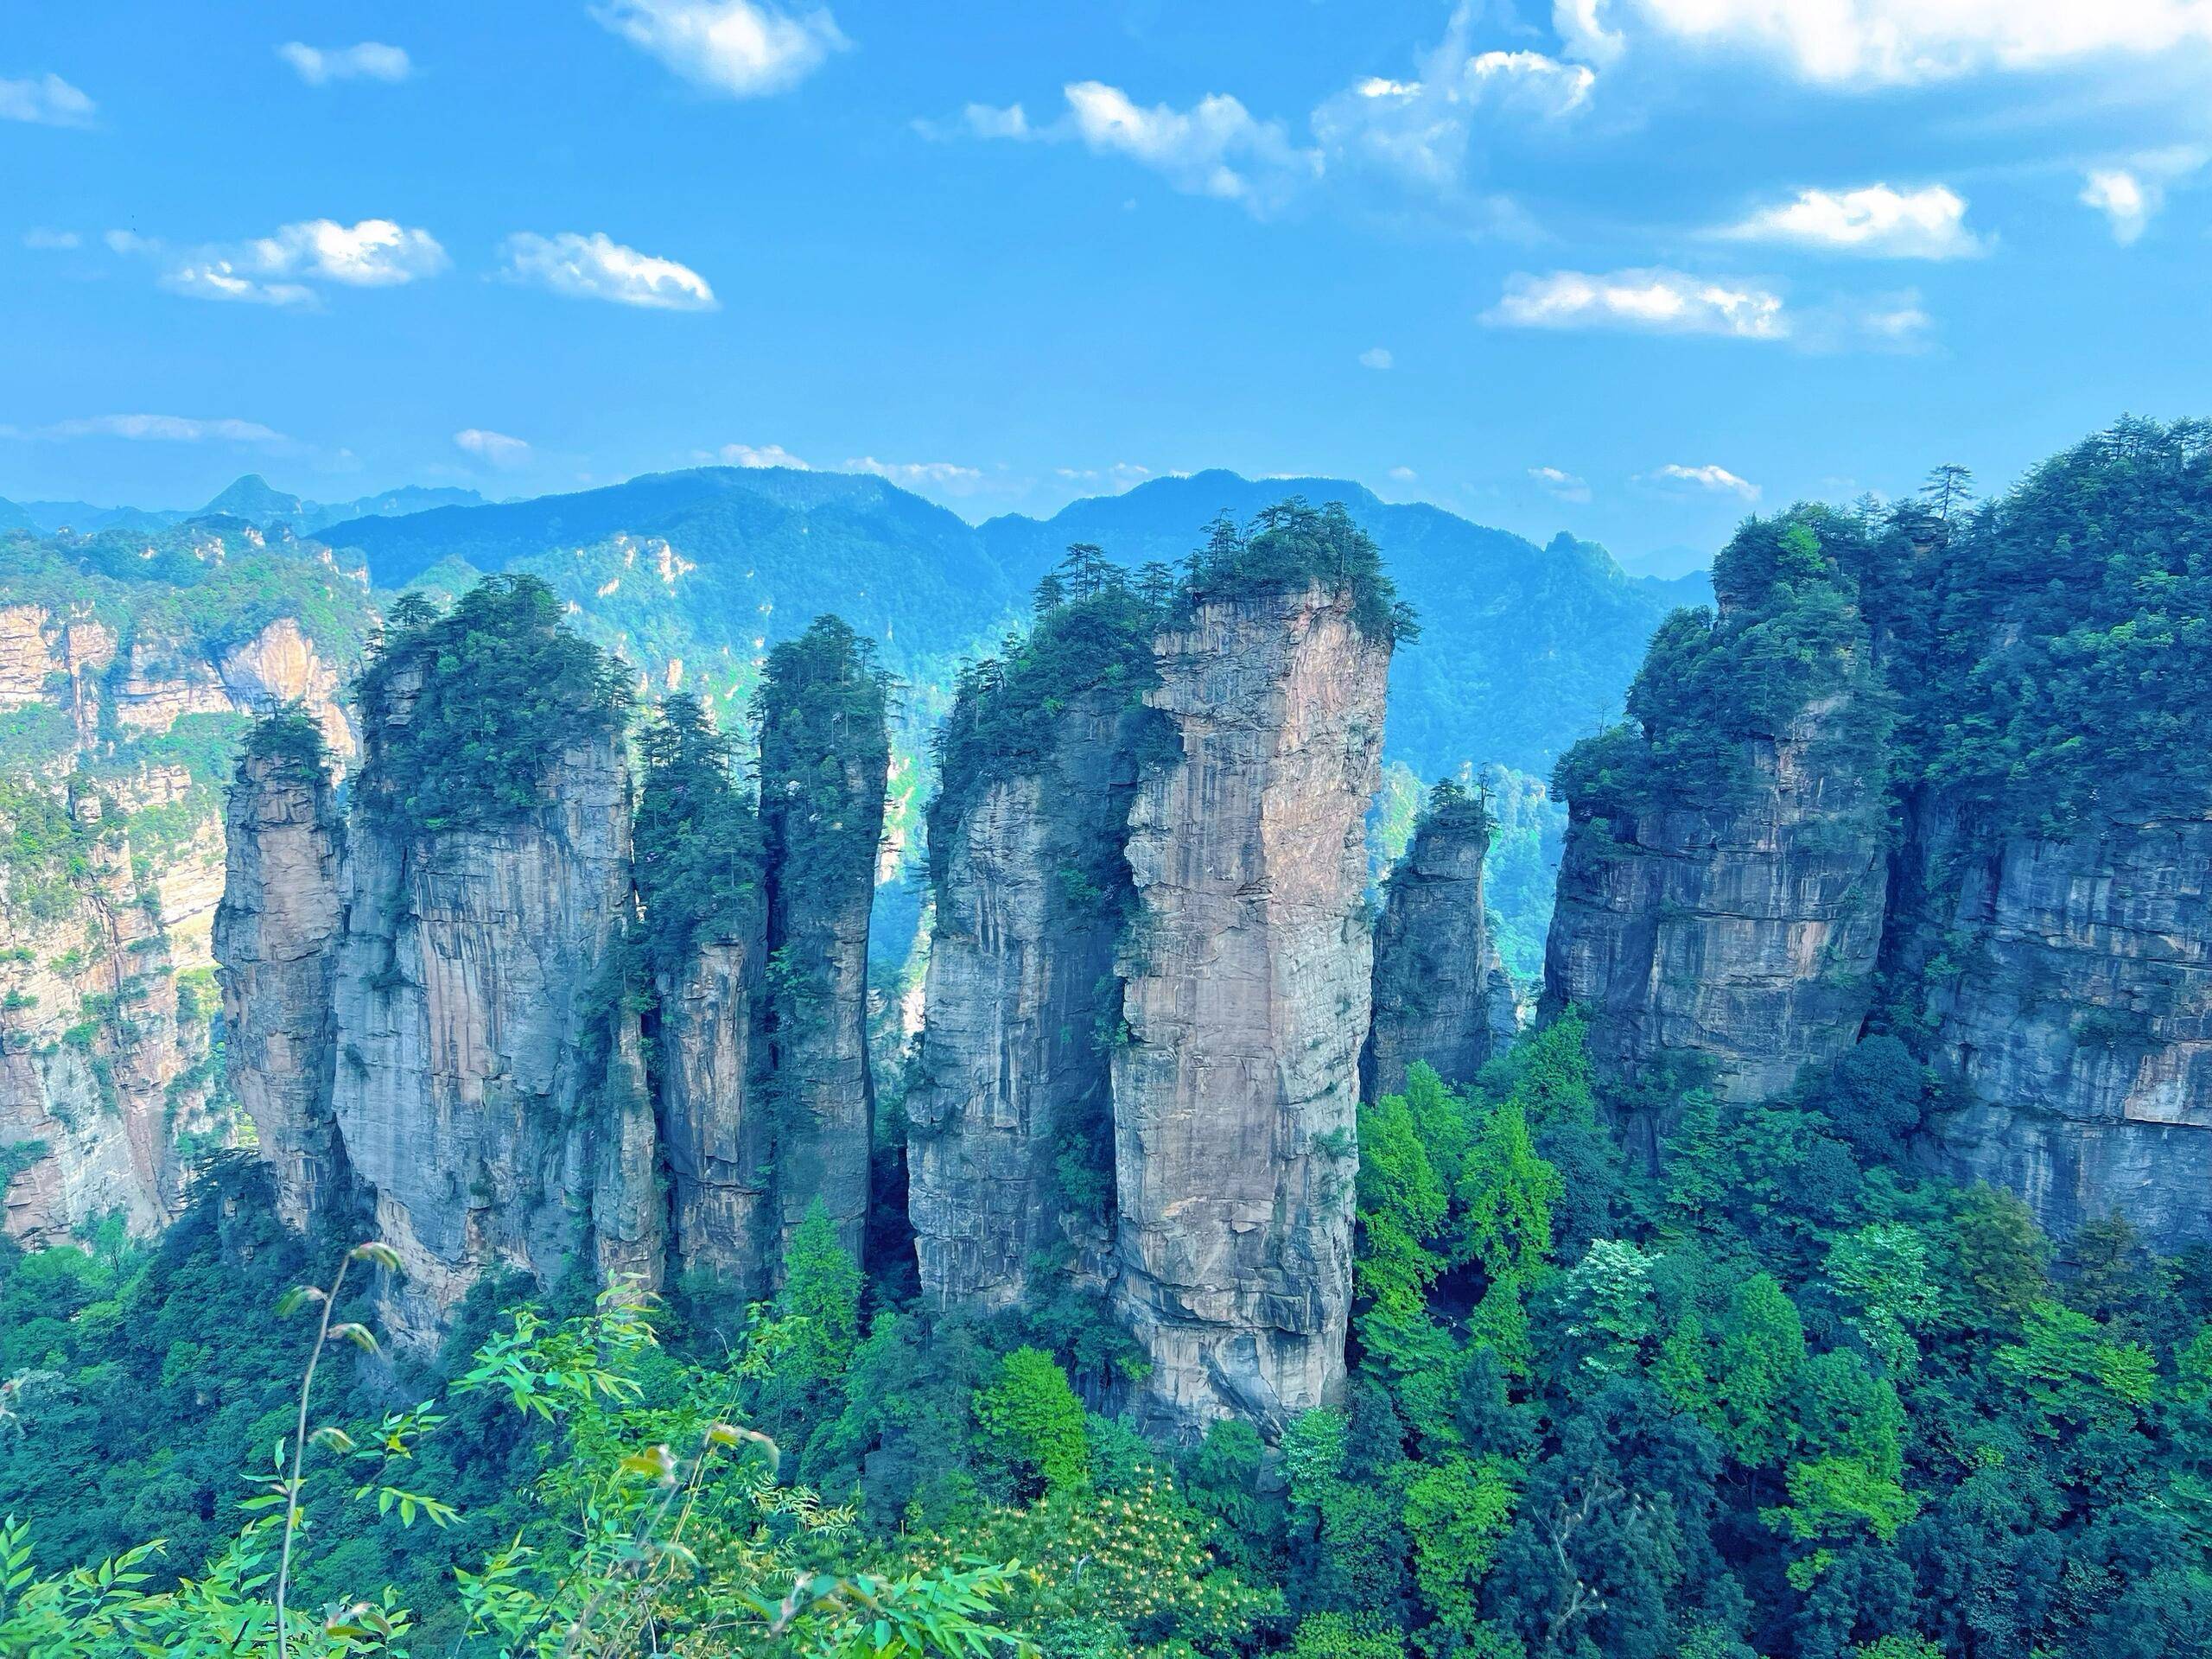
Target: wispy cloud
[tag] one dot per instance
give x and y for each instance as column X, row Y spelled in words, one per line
column 47, row 101
column 921, row 474
column 494, row 449
column 2131, row 194
column 1708, row 479
column 1876, row 219
column 1561, row 485
column 1421, row 128
column 596, row 267
column 1653, row 302
column 736, row 48
column 318, row 65
column 1121, row 475
column 279, row 269
column 767, row 455
column 1871, row 43
column 1376, row 357
column 51, row 241
column 153, row 429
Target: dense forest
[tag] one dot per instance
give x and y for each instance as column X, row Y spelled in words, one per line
column 1766, row 1388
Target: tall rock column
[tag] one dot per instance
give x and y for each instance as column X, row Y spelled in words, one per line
column 825, row 754
column 1723, row 888
column 1010, row 1120
column 486, row 1083
column 1441, row 994
column 1246, row 999
column 275, row 939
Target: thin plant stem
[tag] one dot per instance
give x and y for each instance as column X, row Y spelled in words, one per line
column 298, row 1450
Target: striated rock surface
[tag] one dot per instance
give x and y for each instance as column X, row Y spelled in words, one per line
column 108, row 1084
column 717, row 1131
column 824, row 756
column 1722, row 893
column 1740, row 940
column 473, row 1068
column 2077, row 1022
column 276, row 935
column 1442, row 993
column 1246, row 999
column 1010, row 1110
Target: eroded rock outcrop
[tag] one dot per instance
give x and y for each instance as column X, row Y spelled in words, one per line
column 1247, row 996
column 1009, row 1151
column 1441, row 992
column 115, row 813
column 276, row 936
column 1723, row 889
column 483, row 1086
column 2078, row 1023
column 826, row 753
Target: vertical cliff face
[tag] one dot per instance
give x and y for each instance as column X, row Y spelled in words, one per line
column 1442, row 993
column 2078, row 1026
column 475, row 1058
column 1742, row 941
column 716, row 1126
column 1722, row 892
column 824, row 758
column 1009, row 1114
column 111, row 775
column 1247, row 996
column 275, row 935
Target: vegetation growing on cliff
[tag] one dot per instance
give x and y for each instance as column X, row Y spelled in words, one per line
column 824, row 753
column 1292, row 546
column 1787, row 634
column 493, row 690
column 696, row 842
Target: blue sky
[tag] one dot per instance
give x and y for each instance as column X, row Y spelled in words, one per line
column 1628, row 267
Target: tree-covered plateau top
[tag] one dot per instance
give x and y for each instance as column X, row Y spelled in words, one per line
column 2053, row 645
column 824, row 751
column 500, row 687
column 2041, row 656
column 697, row 841
column 1787, row 634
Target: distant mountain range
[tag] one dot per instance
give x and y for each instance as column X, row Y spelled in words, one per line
column 1524, row 648
column 251, row 499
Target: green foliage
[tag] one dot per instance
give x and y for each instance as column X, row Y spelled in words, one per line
column 1291, row 546
column 494, row 690
column 696, row 843
column 1030, row 1421
column 1787, row 634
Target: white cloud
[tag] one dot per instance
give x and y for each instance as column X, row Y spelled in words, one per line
column 1928, row 223
column 1404, row 474
column 1658, row 302
column 48, row 241
column 494, row 449
column 1421, row 129
column 153, row 429
column 1891, row 42
column 596, row 268
column 1375, row 357
column 369, row 60
column 940, row 476
column 46, row 101
column 277, row 270
column 2123, row 199
column 736, row 48
column 772, row 455
column 986, row 121
column 1215, row 147
column 2132, row 194
column 1560, row 483
column 1122, row 474
column 1718, row 480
